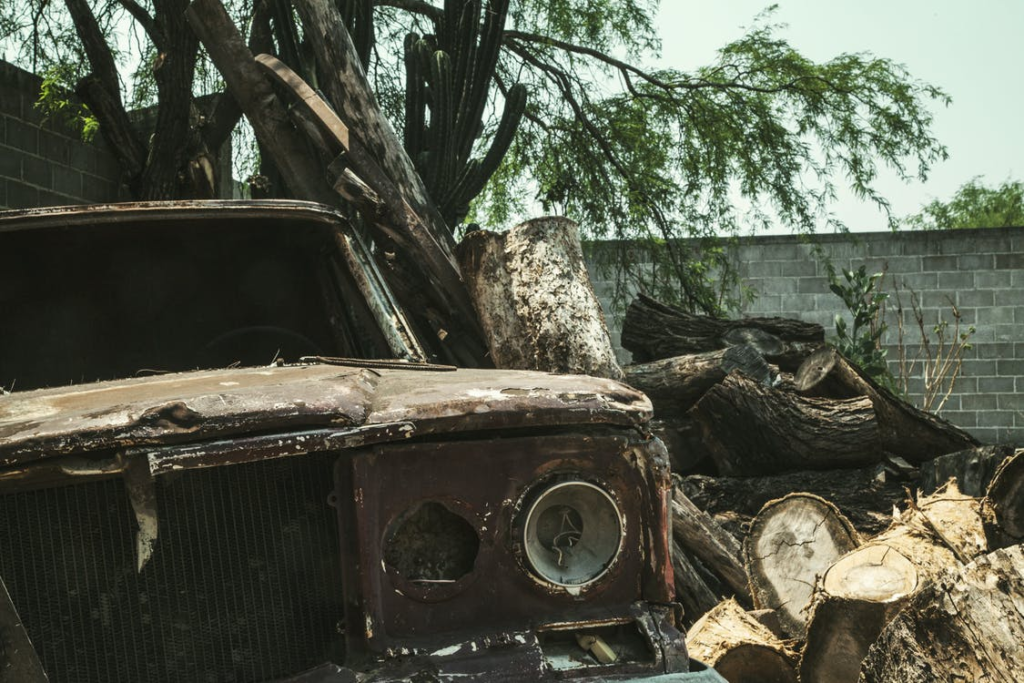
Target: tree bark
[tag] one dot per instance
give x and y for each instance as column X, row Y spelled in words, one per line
column 753, row 430
column 533, row 296
column 653, row 330
column 861, row 592
column 967, row 626
column 972, row 469
column 344, row 82
column 269, row 119
column 792, row 541
column 697, row 533
column 692, row 592
column 1003, row 507
column 739, row 648
column 674, row 385
column 866, row 496
column 904, row 430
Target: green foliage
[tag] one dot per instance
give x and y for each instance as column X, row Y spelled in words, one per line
column 659, row 156
column 974, row 205
column 861, row 342
column 57, row 103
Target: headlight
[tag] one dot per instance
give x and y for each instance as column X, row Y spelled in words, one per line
column 573, row 533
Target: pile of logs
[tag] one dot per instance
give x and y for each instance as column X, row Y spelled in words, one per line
column 825, row 529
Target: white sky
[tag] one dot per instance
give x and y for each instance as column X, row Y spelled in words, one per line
column 974, row 50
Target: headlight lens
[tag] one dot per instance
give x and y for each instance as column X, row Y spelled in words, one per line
column 572, row 534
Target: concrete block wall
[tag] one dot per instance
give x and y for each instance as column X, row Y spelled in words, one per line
column 980, row 272
column 44, row 163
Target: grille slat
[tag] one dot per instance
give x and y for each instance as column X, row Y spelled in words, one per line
column 244, row 583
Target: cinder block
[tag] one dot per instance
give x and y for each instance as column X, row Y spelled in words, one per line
column 998, row 315
column 995, row 385
column 67, row 181
column 956, row 280
column 974, row 297
column 978, row 402
column 780, row 252
column 993, row 279
column 937, row 263
column 54, row 147
column 994, row 418
column 1011, row 368
column 995, row 351
column 916, row 281
column 21, row 195
column 1014, row 261
column 36, row 170
column 21, row 135
column 47, row 198
column 965, row 419
column 1008, row 297
column 765, row 268
column 798, row 268
column 811, row 285
column 975, row 262
column 1010, row 401
column 10, row 163
column 10, row 100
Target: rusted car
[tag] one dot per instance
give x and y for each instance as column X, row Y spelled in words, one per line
column 222, row 458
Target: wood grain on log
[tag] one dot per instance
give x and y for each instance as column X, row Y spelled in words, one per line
column 866, row 496
column 967, row 626
column 904, row 429
column 532, row 293
column 861, row 592
column 717, row 548
column 653, row 330
column 753, row 430
column 1003, row 507
column 674, row 385
column 740, row 648
column 792, row 541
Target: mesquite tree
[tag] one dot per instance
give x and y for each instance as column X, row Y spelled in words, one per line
column 507, row 104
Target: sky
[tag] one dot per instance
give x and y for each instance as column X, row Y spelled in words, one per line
column 972, row 50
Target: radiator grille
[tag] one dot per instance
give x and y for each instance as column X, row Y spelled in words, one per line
column 244, row 584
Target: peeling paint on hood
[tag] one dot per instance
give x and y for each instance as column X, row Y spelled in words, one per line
column 202, row 405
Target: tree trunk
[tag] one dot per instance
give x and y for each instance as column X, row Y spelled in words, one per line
column 792, row 541
column 753, row 430
column 739, row 648
column 967, row 626
column 972, row 468
column 532, row 293
column 269, row 119
column 1003, row 507
column 866, row 496
column 861, row 592
column 653, row 330
column 697, row 533
column 692, row 591
column 344, row 82
column 904, row 430
column 674, row 385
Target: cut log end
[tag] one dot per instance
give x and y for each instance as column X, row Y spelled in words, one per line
column 739, row 647
column 877, row 574
column 792, row 541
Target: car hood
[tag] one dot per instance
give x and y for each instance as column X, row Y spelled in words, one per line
column 203, row 405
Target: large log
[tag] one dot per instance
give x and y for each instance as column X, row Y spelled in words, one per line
column 653, row 330
column 1003, row 507
column 967, row 626
column 740, row 649
column 674, row 385
column 533, row 296
column 714, row 546
column 866, row 496
column 792, row 541
column 860, row 593
column 972, row 468
column 269, row 118
column 904, row 429
column 751, row 430
column 692, row 591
